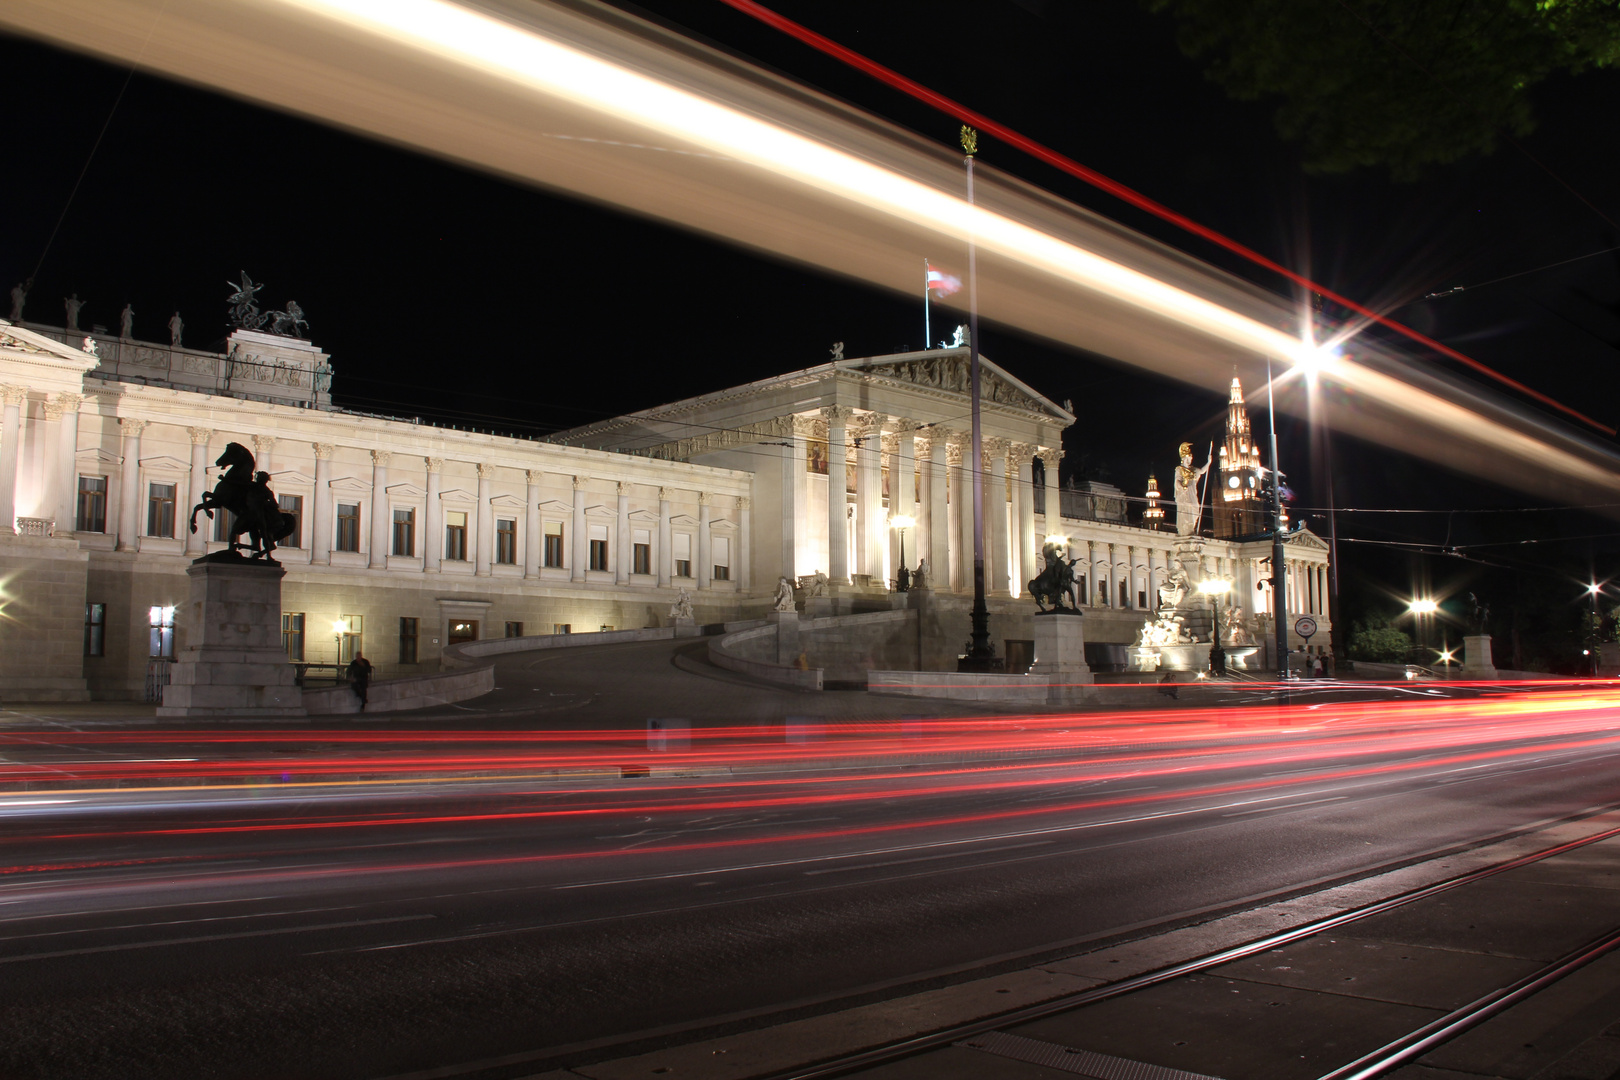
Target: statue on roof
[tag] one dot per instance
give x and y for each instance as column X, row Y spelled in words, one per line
column 287, row 323
column 73, row 305
column 19, row 297
column 177, row 327
column 244, row 307
column 126, row 322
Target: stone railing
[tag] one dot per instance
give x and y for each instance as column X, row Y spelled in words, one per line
column 33, row 526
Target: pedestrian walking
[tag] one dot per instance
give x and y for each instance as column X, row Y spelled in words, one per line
column 360, row 677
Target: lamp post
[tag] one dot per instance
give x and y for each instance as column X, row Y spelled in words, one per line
column 1422, row 610
column 1213, row 587
column 900, row 523
column 1279, row 566
column 1595, row 635
column 339, row 628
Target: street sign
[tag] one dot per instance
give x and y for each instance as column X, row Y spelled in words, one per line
column 1305, row 626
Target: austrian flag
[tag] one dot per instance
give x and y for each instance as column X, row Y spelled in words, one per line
column 940, row 283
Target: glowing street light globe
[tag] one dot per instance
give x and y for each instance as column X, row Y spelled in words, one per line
column 1423, row 607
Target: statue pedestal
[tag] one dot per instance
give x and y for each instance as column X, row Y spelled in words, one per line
column 685, row 626
column 234, row 663
column 1477, row 662
column 1060, row 647
column 787, row 635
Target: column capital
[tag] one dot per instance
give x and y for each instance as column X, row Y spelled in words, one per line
column 837, row 414
column 1049, row 455
column 663, row 494
column 132, row 427
column 486, row 471
column 744, row 502
column 891, row 442
column 69, row 402
column 580, row 482
column 995, row 445
column 1023, row 452
column 532, row 476
column 380, row 458
column 263, row 444
column 623, row 488
column 954, row 451
column 434, row 464
column 867, row 424
column 13, row 395
column 53, row 409
column 324, row 449
column 704, row 498
column 200, row 435
column 923, row 447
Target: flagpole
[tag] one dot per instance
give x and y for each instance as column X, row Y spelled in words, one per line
column 928, row 337
column 981, row 654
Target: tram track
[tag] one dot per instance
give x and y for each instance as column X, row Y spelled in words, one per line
column 991, row 1033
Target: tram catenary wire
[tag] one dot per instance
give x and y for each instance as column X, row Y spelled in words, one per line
column 1386, row 1058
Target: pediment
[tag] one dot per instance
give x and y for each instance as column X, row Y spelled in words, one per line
column 644, row 517
column 99, row 456
column 349, row 485
column 685, row 520
column 508, row 502
column 948, row 370
column 724, row 525
column 601, row 511
column 291, row 477
column 1307, row 539
column 21, row 340
column 457, row 495
column 166, row 463
column 406, row 491
column 556, row 506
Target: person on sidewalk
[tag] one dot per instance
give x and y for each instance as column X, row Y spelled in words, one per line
column 360, row 677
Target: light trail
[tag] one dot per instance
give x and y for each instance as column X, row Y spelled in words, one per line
column 776, row 168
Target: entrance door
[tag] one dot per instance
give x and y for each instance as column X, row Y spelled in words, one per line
column 463, row 630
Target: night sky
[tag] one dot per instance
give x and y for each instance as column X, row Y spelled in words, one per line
column 447, row 294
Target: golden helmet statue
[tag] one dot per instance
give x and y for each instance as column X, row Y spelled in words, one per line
column 1185, row 451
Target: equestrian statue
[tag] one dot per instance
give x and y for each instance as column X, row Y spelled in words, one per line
column 1055, row 583
column 246, row 496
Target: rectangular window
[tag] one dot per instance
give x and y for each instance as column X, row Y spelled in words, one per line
column 514, row 629
column 1141, row 599
column 1080, row 587
column 463, row 630
column 407, row 641
column 599, row 547
column 683, row 554
column 160, row 510
column 350, row 630
column 722, row 558
column 95, row 629
column 554, row 543
column 455, row 535
column 293, row 505
column 292, row 635
column 92, row 516
column 562, row 628
column 1124, row 595
column 405, row 532
column 160, row 620
column 223, row 522
column 641, row 559
column 348, row 527
column 506, row 541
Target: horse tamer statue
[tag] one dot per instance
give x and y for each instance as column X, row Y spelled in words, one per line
column 247, row 497
column 1055, row 583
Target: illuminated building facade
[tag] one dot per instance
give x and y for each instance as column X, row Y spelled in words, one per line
column 1240, row 506
column 412, row 537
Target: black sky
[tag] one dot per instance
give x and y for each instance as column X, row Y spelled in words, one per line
column 442, row 292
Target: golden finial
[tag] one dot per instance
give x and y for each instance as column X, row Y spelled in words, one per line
column 970, row 141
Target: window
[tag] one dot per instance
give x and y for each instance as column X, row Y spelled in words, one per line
column 1141, row 599
column 506, row 541
column 562, row 628
column 455, row 535
column 95, row 629
column 1080, row 585
column 161, row 622
column 405, row 532
column 1124, row 595
column 722, row 558
column 292, row 635
column 407, row 641
column 514, row 629
column 599, row 547
column 554, row 543
column 683, row 554
column 348, row 534
column 462, row 630
column 350, row 631
column 224, row 522
column 92, row 515
column 641, row 552
column 294, row 505
column 160, row 510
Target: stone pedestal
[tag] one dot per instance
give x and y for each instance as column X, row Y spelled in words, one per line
column 234, row 664
column 685, row 626
column 787, row 635
column 1060, row 647
column 1477, row 663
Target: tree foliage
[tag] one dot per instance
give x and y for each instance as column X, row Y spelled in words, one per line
column 1397, row 83
column 1376, row 641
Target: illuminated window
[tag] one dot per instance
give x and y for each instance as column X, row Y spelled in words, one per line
column 293, row 505
column 92, row 516
column 514, row 629
column 407, row 641
column 554, row 543
column 722, row 558
column 348, row 527
column 405, row 532
column 95, row 629
column 1124, row 595
column 160, row 510
column 561, row 628
column 455, row 536
column 160, row 620
column 350, row 631
column 506, row 541
column 292, row 635
column 463, row 630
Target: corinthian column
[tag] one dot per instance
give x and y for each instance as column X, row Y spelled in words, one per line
column 867, row 434
column 67, row 471
column 961, row 511
column 997, row 557
column 15, row 399
column 1053, row 510
column 320, row 539
column 531, row 524
column 621, row 537
column 484, row 538
column 197, row 541
column 1024, row 491
column 705, row 551
column 433, row 519
column 837, row 417
column 379, row 509
column 129, row 485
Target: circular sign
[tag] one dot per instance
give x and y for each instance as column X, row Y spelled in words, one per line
column 1305, row 626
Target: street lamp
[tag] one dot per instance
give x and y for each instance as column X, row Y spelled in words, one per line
column 339, row 628
column 1423, row 609
column 900, row 523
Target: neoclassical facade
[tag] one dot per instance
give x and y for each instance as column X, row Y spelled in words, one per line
column 411, row 537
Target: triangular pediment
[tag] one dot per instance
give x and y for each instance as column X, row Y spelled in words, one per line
column 948, row 370
column 98, row 455
column 166, row 463
column 349, row 485
column 20, row 339
column 684, row 520
column 291, row 478
column 556, row 506
column 457, row 495
column 600, row 511
column 644, row 517
column 405, row 491
column 508, row 502
column 1306, row 539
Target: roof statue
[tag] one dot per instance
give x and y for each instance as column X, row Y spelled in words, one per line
column 73, row 305
column 126, row 322
column 177, row 327
column 245, row 313
column 287, row 323
column 19, row 297
column 837, row 351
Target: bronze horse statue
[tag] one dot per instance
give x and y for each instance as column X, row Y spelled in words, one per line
column 247, row 497
column 1055, row 583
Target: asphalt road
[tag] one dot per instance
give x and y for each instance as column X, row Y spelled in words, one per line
column 374, row 925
